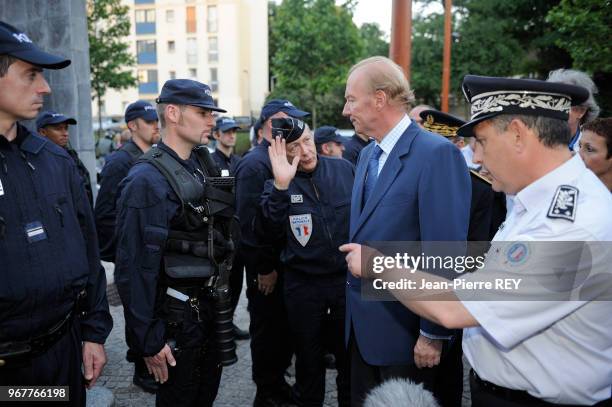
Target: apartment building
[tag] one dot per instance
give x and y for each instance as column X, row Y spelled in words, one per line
column 223, row 43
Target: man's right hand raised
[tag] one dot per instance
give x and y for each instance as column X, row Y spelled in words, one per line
column 282, row 170
column 158, row 364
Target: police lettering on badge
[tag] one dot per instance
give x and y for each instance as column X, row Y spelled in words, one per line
column 301, row 227
column 297, row 198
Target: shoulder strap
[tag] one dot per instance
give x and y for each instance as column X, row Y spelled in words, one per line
column 132, row 149
column 184, row 184
column 206, row 161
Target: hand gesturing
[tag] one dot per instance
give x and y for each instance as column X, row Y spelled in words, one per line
column 283, row 171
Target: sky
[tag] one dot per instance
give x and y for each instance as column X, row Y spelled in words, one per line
column 379, row 11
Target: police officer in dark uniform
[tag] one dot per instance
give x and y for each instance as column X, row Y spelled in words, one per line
column 54, row 314
column 142, row 123
column 353, row 146
column 225, row 135
column 54, row 126
column 271, row 346
column 329, row 142
column 174, row 252
column 306, row 207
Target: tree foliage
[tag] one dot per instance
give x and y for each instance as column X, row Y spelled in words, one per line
column 315, row 44
column 585, row 31
column 374, row 42
column 108, row 25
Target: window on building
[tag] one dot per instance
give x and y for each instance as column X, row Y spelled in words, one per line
column 172, row 74
column 214, row 81
column 171, row 47
column 211, row 19
column 213, row 49
column 192, row 51
column 169, row 16
column 146, row 47
column 145, row 16
column 147, row 76
column 191, row 20
column 193, row 73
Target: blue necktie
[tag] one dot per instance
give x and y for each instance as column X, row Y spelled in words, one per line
column 372, row 174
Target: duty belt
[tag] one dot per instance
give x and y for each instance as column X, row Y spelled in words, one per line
column 17, row 352
column 193, row 299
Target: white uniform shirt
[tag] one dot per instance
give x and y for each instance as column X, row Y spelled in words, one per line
column 559, row 351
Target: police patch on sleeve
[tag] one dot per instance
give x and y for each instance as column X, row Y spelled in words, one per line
column 564, row 203
column 301, row 227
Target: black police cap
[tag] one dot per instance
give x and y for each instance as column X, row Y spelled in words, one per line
column 49, row 117
column 325, row 134
column 140, row 109
column 441, row 123
column 17, row 44
column 288, row 128
column 490, row 97
column 188, row 92
column 280, row 105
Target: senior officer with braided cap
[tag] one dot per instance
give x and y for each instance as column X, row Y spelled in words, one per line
column 172, row 238
column 530, row 353
column 305, row 208
column 54, row 315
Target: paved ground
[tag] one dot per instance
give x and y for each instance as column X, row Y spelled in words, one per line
column 236, row 390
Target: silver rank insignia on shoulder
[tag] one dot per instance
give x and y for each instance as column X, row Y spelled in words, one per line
column 564, row 203
column 297, row 198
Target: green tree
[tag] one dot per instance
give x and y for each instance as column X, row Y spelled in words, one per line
column 314, row 44
column 108, row 24
column 373, row 40
column 585, row 32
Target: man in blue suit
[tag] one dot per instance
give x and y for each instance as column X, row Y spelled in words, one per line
column 405, row 184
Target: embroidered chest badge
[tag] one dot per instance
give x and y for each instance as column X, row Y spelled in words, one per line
column 564, row 203
column 301, row 227
column 297, row 199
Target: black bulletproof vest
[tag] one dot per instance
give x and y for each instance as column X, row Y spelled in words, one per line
column 199, row 237
column 132, row 149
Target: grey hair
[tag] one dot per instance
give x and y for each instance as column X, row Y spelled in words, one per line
column 579, row 78
column 551, row 132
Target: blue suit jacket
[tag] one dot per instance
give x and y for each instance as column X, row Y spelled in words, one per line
column 422, row 194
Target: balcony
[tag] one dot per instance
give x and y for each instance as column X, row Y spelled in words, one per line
column 149, row 87
column 145, row 28
column 147, row 58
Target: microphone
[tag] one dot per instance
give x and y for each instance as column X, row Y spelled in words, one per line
column 400, row 393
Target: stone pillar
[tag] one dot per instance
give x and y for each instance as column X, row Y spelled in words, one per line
column 60, row 27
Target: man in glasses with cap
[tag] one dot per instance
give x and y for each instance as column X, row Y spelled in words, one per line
column 174, row 249
column 329, row 142
column 305, row 211
column 54, row 126
column 142, row 125
column 271, row 347
column 551, row 350
column 54, row 313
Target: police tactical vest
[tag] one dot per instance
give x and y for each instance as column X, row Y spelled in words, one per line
column 132, row 149
column 199, row 237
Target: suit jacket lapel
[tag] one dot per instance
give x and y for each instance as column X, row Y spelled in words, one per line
column 387, row 176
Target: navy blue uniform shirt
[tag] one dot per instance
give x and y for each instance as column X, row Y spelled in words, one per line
column 224, row 162
column 251, row 174
column 146, row 205
column 48, row 244
column 310, row 218
column 352, row 148
column 115, row 169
